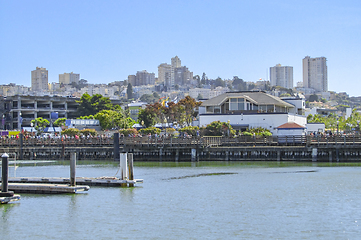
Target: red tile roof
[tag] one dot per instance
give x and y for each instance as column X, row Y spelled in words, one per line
column 290, row 125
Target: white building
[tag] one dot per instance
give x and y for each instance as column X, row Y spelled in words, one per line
column 69, row 78
column 12, row 89
column 205, row 93
column 281, row 76
column 315, row 73
column 39, row 79
column 249, row 110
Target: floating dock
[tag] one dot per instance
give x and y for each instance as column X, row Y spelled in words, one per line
column 4, row 200
column 100, row 181
column 45, row 188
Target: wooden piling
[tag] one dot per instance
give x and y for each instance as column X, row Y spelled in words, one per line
column 116, row 147
column 314, row 154
column 72, row 168
column 130, row 168
column 5, row 173
column 123, row 167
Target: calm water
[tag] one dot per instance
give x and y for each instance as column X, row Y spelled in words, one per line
column 194, row 201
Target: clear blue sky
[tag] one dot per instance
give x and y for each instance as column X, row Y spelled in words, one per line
column 107, row 40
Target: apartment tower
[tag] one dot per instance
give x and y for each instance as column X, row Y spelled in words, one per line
column 315, row 73
column 281, row 76
column 39, row 79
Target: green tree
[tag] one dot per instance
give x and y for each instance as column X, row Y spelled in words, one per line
column 313, row 98
column 59, row 122
column 239, row 84
column 40, row 124
column 189, row 104
column 110, row 119
column 219, row 82
column 148, row 117
column 85, row 107
column 90, row 105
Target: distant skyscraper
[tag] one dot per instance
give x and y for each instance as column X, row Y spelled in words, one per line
column 164, row 74
column 144, row 78
column 39, row 79
column 315, row 73
column 281, row 76
column 68, row 78
column 173, row 74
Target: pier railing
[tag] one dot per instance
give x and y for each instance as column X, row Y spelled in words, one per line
column 205, row 142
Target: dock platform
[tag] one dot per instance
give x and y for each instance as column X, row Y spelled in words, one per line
column 4, row 200
column 100, row 181
column 46, row 188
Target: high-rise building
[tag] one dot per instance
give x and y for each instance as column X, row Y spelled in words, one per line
column 69, row 78
column 164, row 74
column 144, row 78
column 39, row 79
column 173, row 74
column 281, row 76
column 182, row 76
column 315, row 73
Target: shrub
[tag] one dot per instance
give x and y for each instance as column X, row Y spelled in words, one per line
column 128, row 131
column 151, row 130
column 190, row 130
column 70, row 132
column 87, row 132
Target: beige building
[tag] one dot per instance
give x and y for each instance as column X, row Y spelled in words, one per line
column 69, row 78
column 281, row 76
column 39, row 79
column 315, row 73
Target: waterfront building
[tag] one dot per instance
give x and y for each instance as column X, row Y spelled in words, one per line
column 281, row 76
column 250, row 109
column 69, row 78
column 39, row 79
column 315, row 73
column 19, row 110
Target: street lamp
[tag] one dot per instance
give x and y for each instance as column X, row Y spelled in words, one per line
column 3, row 121
column 20, row 121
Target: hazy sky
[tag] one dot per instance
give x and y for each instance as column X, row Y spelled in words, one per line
column 107, row 40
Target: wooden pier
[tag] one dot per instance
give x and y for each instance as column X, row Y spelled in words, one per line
column 100, row 181
column 41, row 188
column 243, row 148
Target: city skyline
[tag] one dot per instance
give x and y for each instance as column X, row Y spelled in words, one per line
column 107, row 42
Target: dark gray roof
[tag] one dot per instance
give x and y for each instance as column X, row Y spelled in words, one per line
column 259, row 98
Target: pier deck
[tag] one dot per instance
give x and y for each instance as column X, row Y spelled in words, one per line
column 45, row 188
column 100, row 181
column 4, row 200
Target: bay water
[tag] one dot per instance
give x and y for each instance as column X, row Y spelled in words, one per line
column 204, row 200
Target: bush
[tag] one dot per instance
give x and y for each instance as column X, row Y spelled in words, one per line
column 128, row 131
column 87, row 132
column 218, row 128
column 70, row 132
column 247, row 134
column 190, row 130
column 151, row 130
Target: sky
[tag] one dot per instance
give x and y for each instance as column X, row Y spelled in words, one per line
column 107, row 40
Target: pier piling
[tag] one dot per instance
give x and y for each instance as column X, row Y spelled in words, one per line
column 123, row 167
column 116, row 147
column 72, row 168
column 130, row 168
